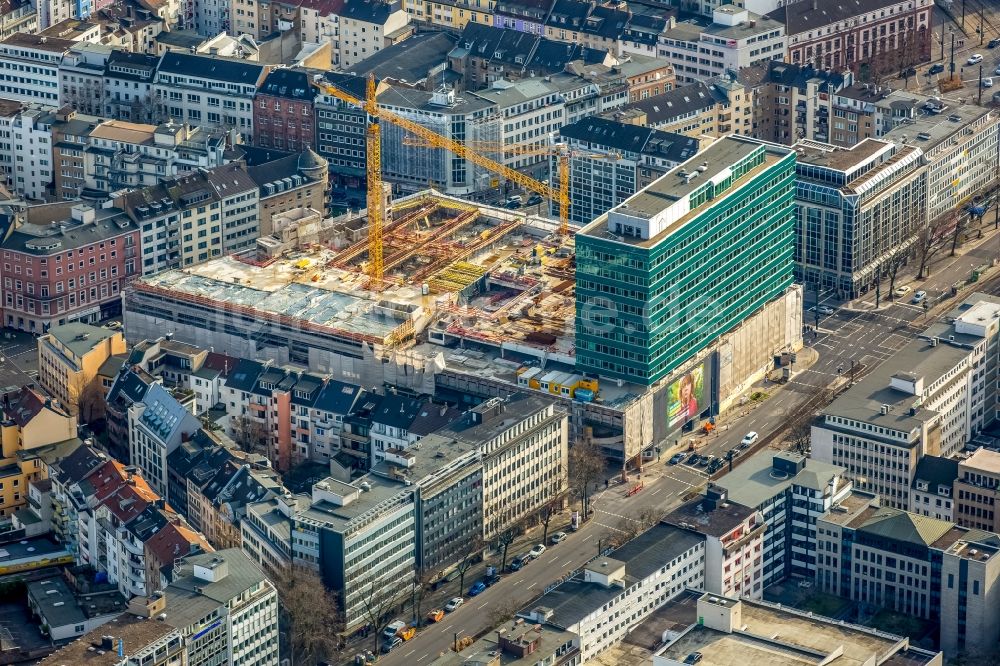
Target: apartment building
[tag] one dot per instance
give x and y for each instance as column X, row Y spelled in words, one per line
column 67, row 265
column 98, row 157
column 736, row 38
column 26, row 158
column 915, row 565
column 733, row 535
column 610, row 161
column 791, row 492
column 959, row 150
column 933, row 492
column 713, row 108
column 69, row 358
column 861, row 35
column 33, row 427
column 197, row 216
column 855, row 207
column 733, row 184
column 341, row 133
column 617, row 591
column 29, row 67
column 368, row 26
column 286, row 183
column 284, row 110
column 128, row 87
column 522, row 15
column 398, row 422
column 450, row 14
column 793, row 102
column 157, row 426
column 976, row 490
column 207, row 91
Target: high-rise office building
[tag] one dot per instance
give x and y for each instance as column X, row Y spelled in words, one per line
column 685, row 260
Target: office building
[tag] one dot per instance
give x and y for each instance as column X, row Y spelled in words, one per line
column 736, row 38
column 931, row 397
column 959, row 148
column 976, row 491
column 610, row 161
column 19, row 16
column 732, row 207
column 284, row 111
column 22, row 53
column 916, row 565
column 614, row 592
column 791, row 491
column 855, row 208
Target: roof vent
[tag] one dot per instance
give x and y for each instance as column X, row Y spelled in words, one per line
column 885, row 409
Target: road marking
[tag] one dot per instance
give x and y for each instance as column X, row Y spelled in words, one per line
column 484, row 605
column 655, row 492
column 517, row 582
column 567, row 562
column 532, row 585
column 419, row 659
column 410, row 652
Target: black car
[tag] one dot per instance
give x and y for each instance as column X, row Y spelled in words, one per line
column 993, row 44
column 489, row 581
column 513, row 205
column 692, row 459
column 908, row 72
column 936, row 69
column 534, row 199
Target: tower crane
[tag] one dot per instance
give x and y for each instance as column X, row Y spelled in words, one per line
column 376, row 203
column 560, row 150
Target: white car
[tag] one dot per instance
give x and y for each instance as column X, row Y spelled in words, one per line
column 825, row 310
column 974, row 59
column 987, row 83
column 919, row 297
column 749, row 439
column 537, row 551
column 453, row 604
column 558, row 537
column 901, row 291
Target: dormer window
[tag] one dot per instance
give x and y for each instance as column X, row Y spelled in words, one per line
column 267, row 386
column 922, row 485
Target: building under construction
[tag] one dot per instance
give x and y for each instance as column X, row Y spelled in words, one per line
column 475, row 302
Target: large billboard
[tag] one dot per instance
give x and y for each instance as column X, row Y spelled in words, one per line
column 687, row 397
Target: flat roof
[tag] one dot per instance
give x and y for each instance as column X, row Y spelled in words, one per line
column 983, row 461
column 863, row 401
column 754, row 481
column 670, row 188
column 837, row 158
column 546, row 639
column 929, row 130
column 119, row 130
column 339, row 517
column 718, row 522
column 135, row 632
column 773, row 636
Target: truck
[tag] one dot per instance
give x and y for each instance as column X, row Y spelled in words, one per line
column 398, row 629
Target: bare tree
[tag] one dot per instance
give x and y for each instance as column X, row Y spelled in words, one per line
column 586, row 464
column 90, row 404
column 506, row 537
column 472, row 553
column 961, row 224
column 248, row 433
column 931, row 239
column 309, row 614
column 896, row 260
column 380, row 605
column 503, row 611
column 546, row 514
column 423, row 582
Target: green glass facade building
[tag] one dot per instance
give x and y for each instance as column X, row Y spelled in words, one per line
column 660, row 277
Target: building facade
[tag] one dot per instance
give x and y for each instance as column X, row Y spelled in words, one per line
column 640, row 244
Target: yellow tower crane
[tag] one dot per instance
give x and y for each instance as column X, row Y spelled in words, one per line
column 374, row 174
column 560, row 150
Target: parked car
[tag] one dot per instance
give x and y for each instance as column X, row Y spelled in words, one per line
column 749, row 439
column 477, row 588
column 512, row 205
column 993, row 44
column 534, row 199
column 558, row 537
column 537, row 551
column 919, row 297
column 693, row 459
column 676, row 459
column 519, row 561
column 901, row 291
column 392, row 644
column 715, row 466
column 453, row 604
column 491, row 580
column 435, row 615
column 908, row 72
column 987, row 83
column 693, row 658
column 704, row 460
column 974, row 59
column 393, row 629
column 997, row 70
